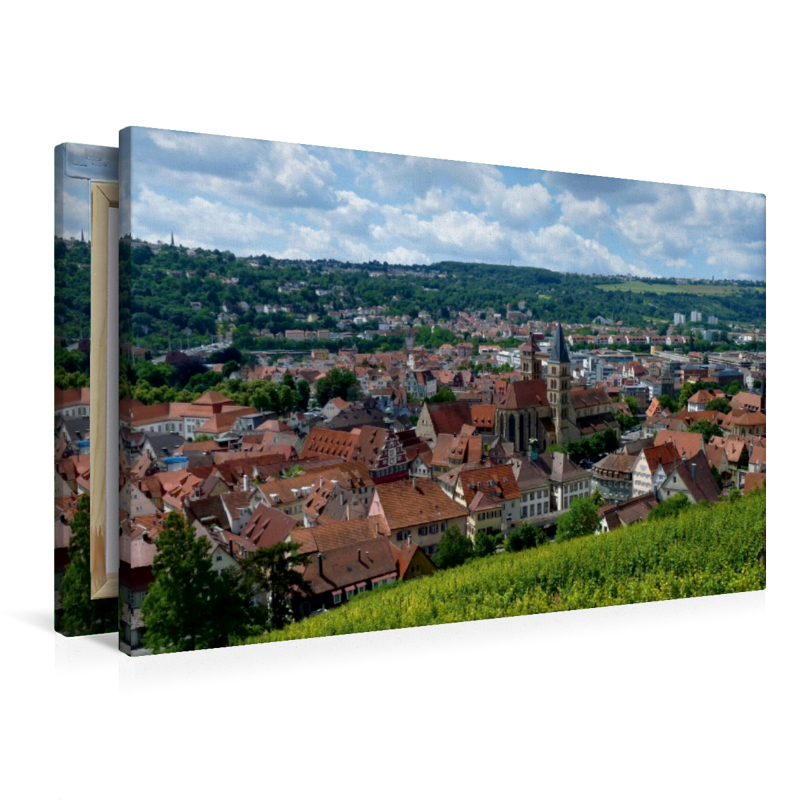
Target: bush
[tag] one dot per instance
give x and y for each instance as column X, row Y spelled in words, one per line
column 580, row 520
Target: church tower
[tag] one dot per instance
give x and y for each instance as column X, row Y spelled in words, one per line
column 529, row 364
column 559, row 382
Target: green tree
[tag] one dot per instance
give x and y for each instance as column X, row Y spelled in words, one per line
column 81, row 615
column 671, row 507
column 717, row 476
column 667, row 402
column 719, row 404
column 525, row 537
column 706, row 428
column 734, row 388
column 454, row 549
column 274, row 570
column 485, row 544
column 580, row 520
column 444, row 395
column 633, row 404
column 625, row 422
column 303, row 394
column 337, row 383
column 189, row 606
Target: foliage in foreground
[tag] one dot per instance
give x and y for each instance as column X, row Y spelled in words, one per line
column 707, row 550
column 82, row 616
column 189, row 606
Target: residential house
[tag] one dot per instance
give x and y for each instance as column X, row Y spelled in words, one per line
column 492, row 498
column 336, row 575
column 628, row 512
column 416, row 510
column 568, row 481
column 612, row 476
column 648, row 462
column 693, row 479
column 687, row 444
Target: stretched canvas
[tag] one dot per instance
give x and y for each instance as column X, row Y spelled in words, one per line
column 86, row 432
column 365, row 391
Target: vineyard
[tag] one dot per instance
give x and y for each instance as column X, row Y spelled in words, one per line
column 706, row 550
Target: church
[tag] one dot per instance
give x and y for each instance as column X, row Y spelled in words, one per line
column 544, row 407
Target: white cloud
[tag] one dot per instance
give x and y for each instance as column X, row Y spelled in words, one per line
column 241, row 171
column 198, row 222
column 561, row 248
column 584, row 213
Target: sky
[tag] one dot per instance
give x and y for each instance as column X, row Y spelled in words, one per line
column 307, row 202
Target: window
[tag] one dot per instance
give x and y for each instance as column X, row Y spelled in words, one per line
column 337, row 598
column 218, row 558
column 423, row 531
column 434, row 528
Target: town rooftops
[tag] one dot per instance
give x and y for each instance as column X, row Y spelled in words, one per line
column 687, row 444
column 524, row 394
column 267, row 526
column 417, row 502
column 496, row 484
column 350, row 565
column 635, row 510
column 321, row 538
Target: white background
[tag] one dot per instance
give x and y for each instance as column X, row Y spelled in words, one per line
column 683, row 699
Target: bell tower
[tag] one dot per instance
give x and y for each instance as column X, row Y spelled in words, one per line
column 559, row 382
column 530, row 365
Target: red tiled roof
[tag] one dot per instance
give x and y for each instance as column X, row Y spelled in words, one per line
column 267, row 526
column 687, row 444
column 523, row 394
column 346, row 566
column 406, row 504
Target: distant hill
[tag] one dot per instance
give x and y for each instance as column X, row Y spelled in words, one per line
column 707, row 550
column 178, row 295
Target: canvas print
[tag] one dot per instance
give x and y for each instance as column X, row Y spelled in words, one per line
column 367, row 391
column 86, row 244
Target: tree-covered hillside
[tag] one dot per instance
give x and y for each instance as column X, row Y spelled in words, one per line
column 177, row 294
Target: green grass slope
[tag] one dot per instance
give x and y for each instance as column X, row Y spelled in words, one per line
column 706, row 551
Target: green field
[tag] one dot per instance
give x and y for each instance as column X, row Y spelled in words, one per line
column 707, row 550
column 638, row 287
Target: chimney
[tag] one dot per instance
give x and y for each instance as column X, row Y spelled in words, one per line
column 694, row 473
column 414, row 482
column 359, row 555
column 319, row 562
column 246, row 483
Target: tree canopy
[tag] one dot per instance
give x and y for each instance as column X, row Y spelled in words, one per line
column 273, row 570
column 189, row 606
column 454, row 549
column 337, row 383
column 581, row 520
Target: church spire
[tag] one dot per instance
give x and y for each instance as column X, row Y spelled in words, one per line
column 82, row 236
column 559, row 354
column 171, row 239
